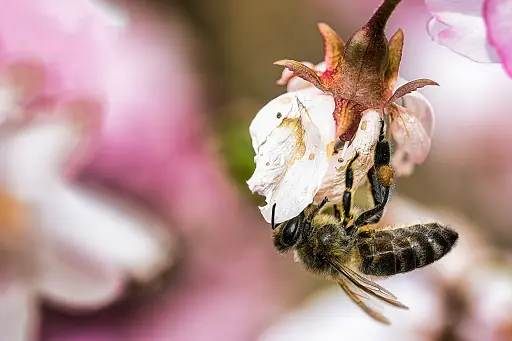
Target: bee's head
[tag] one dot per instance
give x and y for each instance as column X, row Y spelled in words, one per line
column 286, row 234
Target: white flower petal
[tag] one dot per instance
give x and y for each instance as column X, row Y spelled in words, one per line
column 402, row 163
column 296, row 83
column 320, row 67
column 34, row 155
column 411, row 136
column 467, row 38
column 413, row 143
column 456, row 12
column 364, row 142
column 94, row 246
column 73, row 281
column 319, row 105
column 459, row 25
column 291, row 152
column 421, row 108
column 106, row 231
column 18, row 310
column 114, row 242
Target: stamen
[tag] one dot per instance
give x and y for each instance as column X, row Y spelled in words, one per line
column 344, row 150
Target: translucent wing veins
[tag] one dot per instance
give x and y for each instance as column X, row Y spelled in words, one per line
column 365, row 286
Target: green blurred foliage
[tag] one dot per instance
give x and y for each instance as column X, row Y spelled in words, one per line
column 235, row 143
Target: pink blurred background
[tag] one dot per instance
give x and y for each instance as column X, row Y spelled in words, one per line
column 138, row 224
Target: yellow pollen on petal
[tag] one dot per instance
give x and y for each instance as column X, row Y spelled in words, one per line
column 297, row 129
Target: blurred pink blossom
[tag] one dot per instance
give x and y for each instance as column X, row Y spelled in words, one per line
column 478, row 29
column 136, row 68
column 55, row 78
column 69, row 258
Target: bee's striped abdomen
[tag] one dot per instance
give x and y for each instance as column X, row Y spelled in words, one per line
column 389, row 252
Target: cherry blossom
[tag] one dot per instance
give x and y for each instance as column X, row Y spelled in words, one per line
column 478, row 29
column 293, row 137
column 74, row 247
column 77, row 262
column 319, row 172
column 343, row 99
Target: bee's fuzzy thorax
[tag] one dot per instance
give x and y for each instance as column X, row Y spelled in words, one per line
column 324, row 219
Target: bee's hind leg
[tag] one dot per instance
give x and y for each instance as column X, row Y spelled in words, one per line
column 381, row 181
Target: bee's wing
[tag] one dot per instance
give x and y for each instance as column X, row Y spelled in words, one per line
column 361, row 290
column 363, row 300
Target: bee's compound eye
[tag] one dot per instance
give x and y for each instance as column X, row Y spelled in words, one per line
column 290, row 233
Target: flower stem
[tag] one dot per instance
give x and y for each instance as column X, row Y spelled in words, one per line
column 380, row 18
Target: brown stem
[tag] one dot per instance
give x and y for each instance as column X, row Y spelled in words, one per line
column 380, row 18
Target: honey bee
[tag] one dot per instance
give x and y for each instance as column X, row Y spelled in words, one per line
column 345, row 248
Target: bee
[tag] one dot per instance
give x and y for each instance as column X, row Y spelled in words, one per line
column 347, row 249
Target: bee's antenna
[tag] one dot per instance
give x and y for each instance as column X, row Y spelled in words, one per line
column 273, row 216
